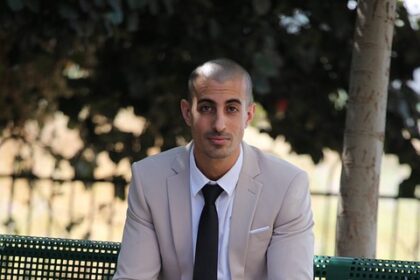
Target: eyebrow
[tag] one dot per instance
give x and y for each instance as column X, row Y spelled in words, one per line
column 233, row 100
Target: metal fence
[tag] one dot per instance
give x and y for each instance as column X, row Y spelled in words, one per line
column 77, row 208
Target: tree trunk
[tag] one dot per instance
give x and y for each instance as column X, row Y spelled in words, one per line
column 365, row 129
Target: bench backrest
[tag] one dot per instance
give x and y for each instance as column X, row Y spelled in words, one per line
column 27, row 257
column 342, row 268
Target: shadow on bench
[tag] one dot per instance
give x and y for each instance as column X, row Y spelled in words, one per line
column 26, row 257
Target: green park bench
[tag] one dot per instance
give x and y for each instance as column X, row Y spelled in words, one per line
column 27, row 257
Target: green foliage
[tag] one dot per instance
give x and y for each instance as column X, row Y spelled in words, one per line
column 140, row 53
column 15, row 5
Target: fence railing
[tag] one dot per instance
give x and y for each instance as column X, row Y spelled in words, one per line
column 90, row 209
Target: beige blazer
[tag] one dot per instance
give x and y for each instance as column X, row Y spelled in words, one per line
column 271, row 228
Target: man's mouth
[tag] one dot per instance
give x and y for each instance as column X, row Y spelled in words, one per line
column 218, row 140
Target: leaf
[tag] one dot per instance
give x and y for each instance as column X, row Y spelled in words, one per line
column 84, row 169
column 116, row 16
column 2, row 69
column 115, row 4
column 214, row 28
column 261, row 84
column 99, row 3
column 153, row 7
column 133, row 22
column 77, row 26
column 266, row 64
column 120, row 185
column 67, row 11
column 261, row 7
column 169, row 7
column 136, row 4
column 85, row 5
column 15, row 5
column 407, row 188
column 33, row 5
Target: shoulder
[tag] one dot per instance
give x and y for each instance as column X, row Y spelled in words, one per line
column 273, row 167
column 149, row 175
column 162, row 161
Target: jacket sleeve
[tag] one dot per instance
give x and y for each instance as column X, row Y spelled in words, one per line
column 139, row 257
column 291, row 250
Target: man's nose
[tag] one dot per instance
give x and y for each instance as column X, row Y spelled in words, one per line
column 219, row 122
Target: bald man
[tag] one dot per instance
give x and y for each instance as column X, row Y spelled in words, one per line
column 217, row 208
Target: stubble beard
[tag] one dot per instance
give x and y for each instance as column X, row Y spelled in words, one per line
column 216, row 152
column 220, row 152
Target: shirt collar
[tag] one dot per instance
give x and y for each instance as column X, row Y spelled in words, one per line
column 227, row 182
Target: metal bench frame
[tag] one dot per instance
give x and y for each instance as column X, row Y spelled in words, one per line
column 28, row 257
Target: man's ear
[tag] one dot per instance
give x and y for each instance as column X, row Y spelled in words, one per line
column 186, row 111
column 250, row 113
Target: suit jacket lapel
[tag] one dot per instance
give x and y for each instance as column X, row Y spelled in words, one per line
column 246, row 198
column 180, row 212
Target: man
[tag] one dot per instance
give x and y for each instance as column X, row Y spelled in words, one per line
column 258, row 224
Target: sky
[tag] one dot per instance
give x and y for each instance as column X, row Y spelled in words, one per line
column 413, row 6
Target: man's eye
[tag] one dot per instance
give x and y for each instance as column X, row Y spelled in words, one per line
column 205, row 108
column 232, row 109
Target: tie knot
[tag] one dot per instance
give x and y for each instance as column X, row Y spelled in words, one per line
column 211, row 193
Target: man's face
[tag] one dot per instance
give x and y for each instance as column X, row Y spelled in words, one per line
column 218, row 115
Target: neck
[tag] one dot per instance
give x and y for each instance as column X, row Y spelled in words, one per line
column 214, row 169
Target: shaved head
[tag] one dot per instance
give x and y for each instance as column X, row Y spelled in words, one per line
column 220, row 70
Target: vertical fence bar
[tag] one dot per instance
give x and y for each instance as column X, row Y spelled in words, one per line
column 326, row 224
column 327, row 210
column 110, row 219
column 394, row 234
column 50, row 208
column 70, row 210
column 29, row 205
column 91, row 216
column 417, row 247
column 10, row 223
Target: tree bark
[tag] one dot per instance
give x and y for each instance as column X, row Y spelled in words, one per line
column 365, row 129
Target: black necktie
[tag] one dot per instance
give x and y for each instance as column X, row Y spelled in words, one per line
column 206, row 249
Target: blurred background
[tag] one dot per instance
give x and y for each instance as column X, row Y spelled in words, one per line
column 89, row 87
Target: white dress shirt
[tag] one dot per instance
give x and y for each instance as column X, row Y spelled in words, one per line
column 224, row 205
